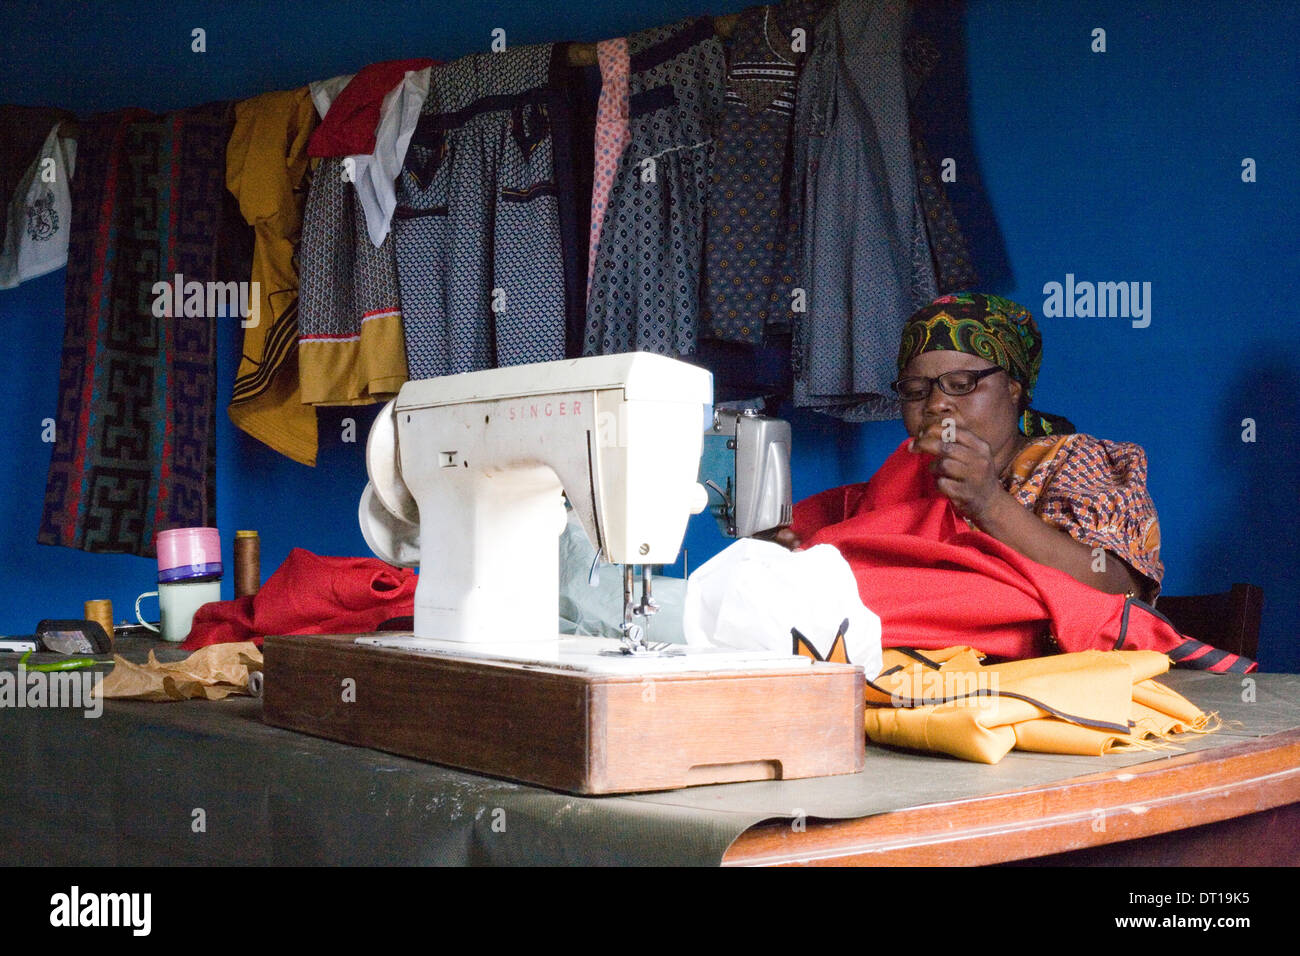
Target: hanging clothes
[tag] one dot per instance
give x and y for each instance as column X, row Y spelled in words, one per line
column 954, row 268
column 612, row 135
column 39, row 218
column 135, row 438
column 23, row 131
column 376, row 173
column 323, row 92
column 350, row 126
column 752, row 241
column 351, row 341
column 351, row 347
column 645, row 293
column 485, row 268
column 266, row 171
column 866, row 258
column 387, row 129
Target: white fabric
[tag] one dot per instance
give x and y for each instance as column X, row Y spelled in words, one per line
column 751, row 594
column 375, row 174
column 39, row 216
column 324, row 91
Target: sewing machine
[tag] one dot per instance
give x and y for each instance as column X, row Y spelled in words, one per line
column 486, row 460
column 467, row 479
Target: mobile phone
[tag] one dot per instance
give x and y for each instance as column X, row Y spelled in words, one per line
column 73, row 637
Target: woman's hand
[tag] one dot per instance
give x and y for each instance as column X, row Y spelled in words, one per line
column 965, row 470
column 969, row 478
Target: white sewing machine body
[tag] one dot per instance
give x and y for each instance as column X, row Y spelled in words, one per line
column 466, row 479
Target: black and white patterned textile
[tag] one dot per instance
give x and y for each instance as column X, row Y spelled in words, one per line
column 477, row 226
column 645, row 293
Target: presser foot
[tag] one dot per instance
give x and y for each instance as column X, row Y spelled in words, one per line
column 634, row 644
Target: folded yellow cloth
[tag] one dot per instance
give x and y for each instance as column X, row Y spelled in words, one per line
column 1086, row 703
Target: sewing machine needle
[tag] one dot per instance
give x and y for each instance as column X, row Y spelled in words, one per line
column 627, row 598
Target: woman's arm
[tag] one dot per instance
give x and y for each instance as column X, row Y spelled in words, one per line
column 1010, row 522
column 968, row 476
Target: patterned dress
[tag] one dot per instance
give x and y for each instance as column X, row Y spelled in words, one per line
column 646, row 282
column 751, row 245
column 1096, row 491
column 611, row 136
column 480, row 256
column 866, row 256
column 350, row 344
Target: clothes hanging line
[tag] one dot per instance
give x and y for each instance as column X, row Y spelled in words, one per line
column 584, row 54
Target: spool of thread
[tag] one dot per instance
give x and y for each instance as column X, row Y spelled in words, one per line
column 248, row 563
column 101, row 611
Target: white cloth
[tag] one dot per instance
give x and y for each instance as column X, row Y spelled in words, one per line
column 375, row 174
column 39, row 216
column 324, row 91
column 750, row 595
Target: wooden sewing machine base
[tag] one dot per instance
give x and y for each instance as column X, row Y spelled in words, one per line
column 579, row 732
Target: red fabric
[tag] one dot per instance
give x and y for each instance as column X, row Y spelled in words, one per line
column 310, row 594
column 348, row 128
column 936, row 582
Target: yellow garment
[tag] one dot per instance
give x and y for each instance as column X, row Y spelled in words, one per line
column 368, row 369
column 1087, row 703
column 266, row 168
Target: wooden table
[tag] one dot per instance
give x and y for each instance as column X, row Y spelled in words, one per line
column 1236, row 804
column 120, row 790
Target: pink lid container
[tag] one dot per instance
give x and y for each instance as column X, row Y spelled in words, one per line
column 182, row 550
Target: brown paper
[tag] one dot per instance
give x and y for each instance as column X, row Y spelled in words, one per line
column 210, row 673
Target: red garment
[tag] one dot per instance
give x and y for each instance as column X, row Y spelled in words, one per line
column 936, row 582
column 310, row 594
column 348, row 128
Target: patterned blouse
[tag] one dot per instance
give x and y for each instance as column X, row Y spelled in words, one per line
column 1095, row 491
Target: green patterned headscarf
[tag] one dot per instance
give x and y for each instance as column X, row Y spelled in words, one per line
column 995, row 329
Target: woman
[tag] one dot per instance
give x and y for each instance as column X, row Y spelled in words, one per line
column 967, row 368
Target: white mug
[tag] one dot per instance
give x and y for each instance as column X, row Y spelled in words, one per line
column 177, row 602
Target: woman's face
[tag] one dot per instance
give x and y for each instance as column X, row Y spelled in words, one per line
column 992, row 411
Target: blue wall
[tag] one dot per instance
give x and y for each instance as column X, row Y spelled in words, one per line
column 1122, row 166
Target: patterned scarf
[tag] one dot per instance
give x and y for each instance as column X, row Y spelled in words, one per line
column 997, row 330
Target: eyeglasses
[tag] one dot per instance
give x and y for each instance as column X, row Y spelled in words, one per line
column 960, row 381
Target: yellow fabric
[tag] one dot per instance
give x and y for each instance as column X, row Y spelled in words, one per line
column 1087, row 703
column 266, row 169
column 368, row 370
